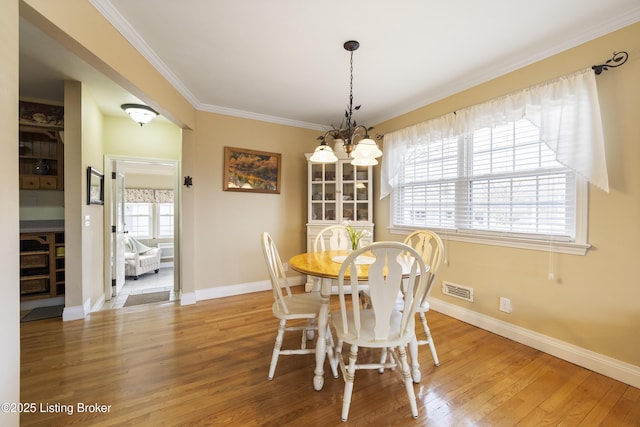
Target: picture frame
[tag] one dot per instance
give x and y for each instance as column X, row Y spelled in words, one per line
column 95, row 187
column 251, row 171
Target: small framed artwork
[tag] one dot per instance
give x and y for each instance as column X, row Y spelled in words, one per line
column 95, row 187
column 251, row 171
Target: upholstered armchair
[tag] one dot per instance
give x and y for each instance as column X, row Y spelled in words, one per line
column 139, row 258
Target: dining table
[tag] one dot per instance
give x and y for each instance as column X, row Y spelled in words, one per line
column 326, row 266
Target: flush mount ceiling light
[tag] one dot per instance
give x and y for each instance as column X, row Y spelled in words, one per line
column 140, row 113
column 351, row 138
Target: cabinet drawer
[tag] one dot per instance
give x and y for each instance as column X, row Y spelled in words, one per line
column 34, row 182
column 48, row 182
column 34, row 286
column 33, row 260
column 29, row 182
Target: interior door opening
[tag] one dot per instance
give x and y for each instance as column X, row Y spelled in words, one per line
column 144, row 232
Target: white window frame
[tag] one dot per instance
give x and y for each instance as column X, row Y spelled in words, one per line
column 542, row 242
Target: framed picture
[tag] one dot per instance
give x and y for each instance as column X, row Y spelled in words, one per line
column 95, row 187
column 251, row 171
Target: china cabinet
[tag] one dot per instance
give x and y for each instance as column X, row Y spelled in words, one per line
column 339, row 193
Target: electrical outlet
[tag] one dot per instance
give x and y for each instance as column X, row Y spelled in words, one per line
column 505, row 304
column 285, row 266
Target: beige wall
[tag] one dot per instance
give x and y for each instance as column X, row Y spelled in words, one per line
column 155, row 140
column 228, row 224
column 594, row 301
column 92, row 236
column 9, row 219
column 158, row 182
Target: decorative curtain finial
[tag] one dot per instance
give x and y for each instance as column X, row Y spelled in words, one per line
column 616, row 60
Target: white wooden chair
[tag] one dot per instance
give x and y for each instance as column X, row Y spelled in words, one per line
column 429, row 245
column 290, row 306
column 382, row 325
column 333, row 238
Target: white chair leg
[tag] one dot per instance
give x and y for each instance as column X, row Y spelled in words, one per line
column 311, row 331
column 406, row 376
column 276, row 348
column 333, row 363
column 348, row 382
column 427, row 332
column 415, row 365
column 383, row 360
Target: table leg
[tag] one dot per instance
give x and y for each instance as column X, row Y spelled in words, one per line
column 321, row 343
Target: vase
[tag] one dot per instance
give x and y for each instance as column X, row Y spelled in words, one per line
column 41, row 168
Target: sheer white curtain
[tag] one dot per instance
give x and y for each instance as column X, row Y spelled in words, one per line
column 566, row 110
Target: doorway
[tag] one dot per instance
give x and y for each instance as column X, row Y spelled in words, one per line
column 141, row 201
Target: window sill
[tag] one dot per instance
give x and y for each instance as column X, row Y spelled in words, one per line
column 562, row 247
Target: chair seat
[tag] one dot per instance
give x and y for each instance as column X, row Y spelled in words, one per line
column 300, row 306
column 367, row 336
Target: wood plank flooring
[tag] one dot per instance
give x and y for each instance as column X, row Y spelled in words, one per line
column 207, row 364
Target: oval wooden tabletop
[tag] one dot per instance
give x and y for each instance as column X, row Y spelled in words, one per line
column 325, row 264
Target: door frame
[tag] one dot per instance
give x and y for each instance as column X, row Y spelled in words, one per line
column 108, row 206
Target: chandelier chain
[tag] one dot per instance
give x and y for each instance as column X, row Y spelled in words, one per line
column 350, row 94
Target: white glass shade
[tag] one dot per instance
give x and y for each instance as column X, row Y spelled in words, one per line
column 323, row 154
column 366, row 148
column 363, row 161
column 140, row 113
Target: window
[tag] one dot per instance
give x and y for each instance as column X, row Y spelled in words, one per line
column 149, row 213
column 496, row 182
column 149, row 220
column 511, row 171
column 137, row 219
column 164, row 219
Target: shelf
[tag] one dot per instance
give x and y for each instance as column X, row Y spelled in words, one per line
column 41, row 270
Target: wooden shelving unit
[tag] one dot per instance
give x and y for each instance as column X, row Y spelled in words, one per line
column 41, row 158
column 41, row 265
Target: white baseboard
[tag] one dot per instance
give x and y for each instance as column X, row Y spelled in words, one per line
column 76, row 312
column 187, row 298
column 243, row 288
column 613, row 368
column 98, row 305
column 226, row 291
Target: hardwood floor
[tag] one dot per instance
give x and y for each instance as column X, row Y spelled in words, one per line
column 207, row 364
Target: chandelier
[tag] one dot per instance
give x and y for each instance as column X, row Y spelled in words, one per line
column 354, row 139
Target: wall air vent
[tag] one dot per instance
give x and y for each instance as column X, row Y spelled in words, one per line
column 457, row 291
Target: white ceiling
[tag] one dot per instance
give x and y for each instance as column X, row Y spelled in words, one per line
column 283, row 60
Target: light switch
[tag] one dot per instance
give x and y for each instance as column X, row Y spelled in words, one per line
column 87, row 220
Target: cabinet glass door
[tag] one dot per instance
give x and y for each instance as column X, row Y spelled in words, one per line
column 323, row 192
column 355, row 193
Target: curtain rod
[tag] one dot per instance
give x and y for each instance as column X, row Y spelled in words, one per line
column 618, row 57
